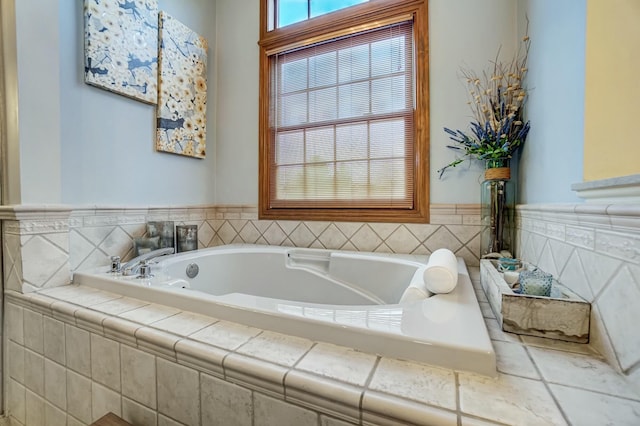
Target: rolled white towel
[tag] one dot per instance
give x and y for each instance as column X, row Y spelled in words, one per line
column 441, row 273
column 416, row 290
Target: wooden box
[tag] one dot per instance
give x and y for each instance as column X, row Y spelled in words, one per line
column 563, row 316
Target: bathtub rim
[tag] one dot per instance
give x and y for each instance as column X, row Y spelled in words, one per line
column 445, row 351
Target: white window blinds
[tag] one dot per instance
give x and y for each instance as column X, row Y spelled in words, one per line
column 341, row 121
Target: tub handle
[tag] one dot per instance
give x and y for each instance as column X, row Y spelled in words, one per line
column 115, row 264
column 145, row 270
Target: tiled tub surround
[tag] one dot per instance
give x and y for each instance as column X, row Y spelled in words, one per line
column 338, row 297
column 74, row 353
column 595, row 251
column 43, row 244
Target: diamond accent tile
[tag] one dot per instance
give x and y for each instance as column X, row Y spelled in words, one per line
column 384, row 229
column 546, row 262
column 317, row 228
column 287, row 243
column 61, row 277
column 41, row 260
column 238, row 240
column 332, row 238
column 237, row 224
column 349, row 228
column 205, row 234
column 317, row 244
column 383, row 248
column 635, row 273
column 598, row 268
column 469, row 258
column 60, row 240
column 402, row 241
column 422, row 231
column 81, row 248
column 618, row 306
column 574, row 278
column 523, row 246
column 13, row 281
column 135, row 230
column 288, row 225
column 11, row 247
column 249, row 233
column 421, row 250
column 349, row 247
column 95, row 259
column 464, row 232
column 227, row 233
column 261, row 225
column 302, row 236
column 216, row 241
column 561, row 253
column 274, row 235
column 443, row 238
column 116, row 242
column 537, row 245
column 365, row 239
column 216, row 224
column 474, row 246
column 95, row 234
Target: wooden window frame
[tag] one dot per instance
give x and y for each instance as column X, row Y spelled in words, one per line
column 347, row 21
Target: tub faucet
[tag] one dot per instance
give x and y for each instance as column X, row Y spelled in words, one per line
column 132, row 266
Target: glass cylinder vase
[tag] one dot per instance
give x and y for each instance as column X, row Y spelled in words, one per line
column 498, row 195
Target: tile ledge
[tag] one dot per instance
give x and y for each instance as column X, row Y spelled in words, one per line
column 616, row 190
column 631, row 210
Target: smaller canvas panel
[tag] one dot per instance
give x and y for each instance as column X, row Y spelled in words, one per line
column 182, row 94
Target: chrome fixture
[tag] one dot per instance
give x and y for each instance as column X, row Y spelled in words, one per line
column 133, row 266
column 115, row 264
column 145, row 270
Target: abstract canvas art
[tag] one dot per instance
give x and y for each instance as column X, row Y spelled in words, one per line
column 121, row 47
column 182, row 90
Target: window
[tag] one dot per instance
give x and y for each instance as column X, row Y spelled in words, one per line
column 343, row 110
column 292, row 11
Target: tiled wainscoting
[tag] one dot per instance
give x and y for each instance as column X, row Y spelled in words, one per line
column 595, row 251
column 43, row 245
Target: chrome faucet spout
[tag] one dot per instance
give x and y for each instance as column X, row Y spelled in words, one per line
column 132, row 266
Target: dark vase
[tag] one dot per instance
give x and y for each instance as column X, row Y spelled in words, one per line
column 498, row 196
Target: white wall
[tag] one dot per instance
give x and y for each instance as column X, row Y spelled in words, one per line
column 38, row 41
column 237, row 56
column 83, row 145
column 456, row 39
column 462, row 33
column 552, row 158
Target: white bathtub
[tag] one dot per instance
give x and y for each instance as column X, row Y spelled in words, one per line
column 345, row 298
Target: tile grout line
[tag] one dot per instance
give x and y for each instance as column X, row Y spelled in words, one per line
column 546, row 386
column 458, row 407
column 366, row 385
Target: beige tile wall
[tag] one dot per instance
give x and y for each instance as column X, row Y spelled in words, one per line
column 42, row 247
column 78, row 382
column 593, row 249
